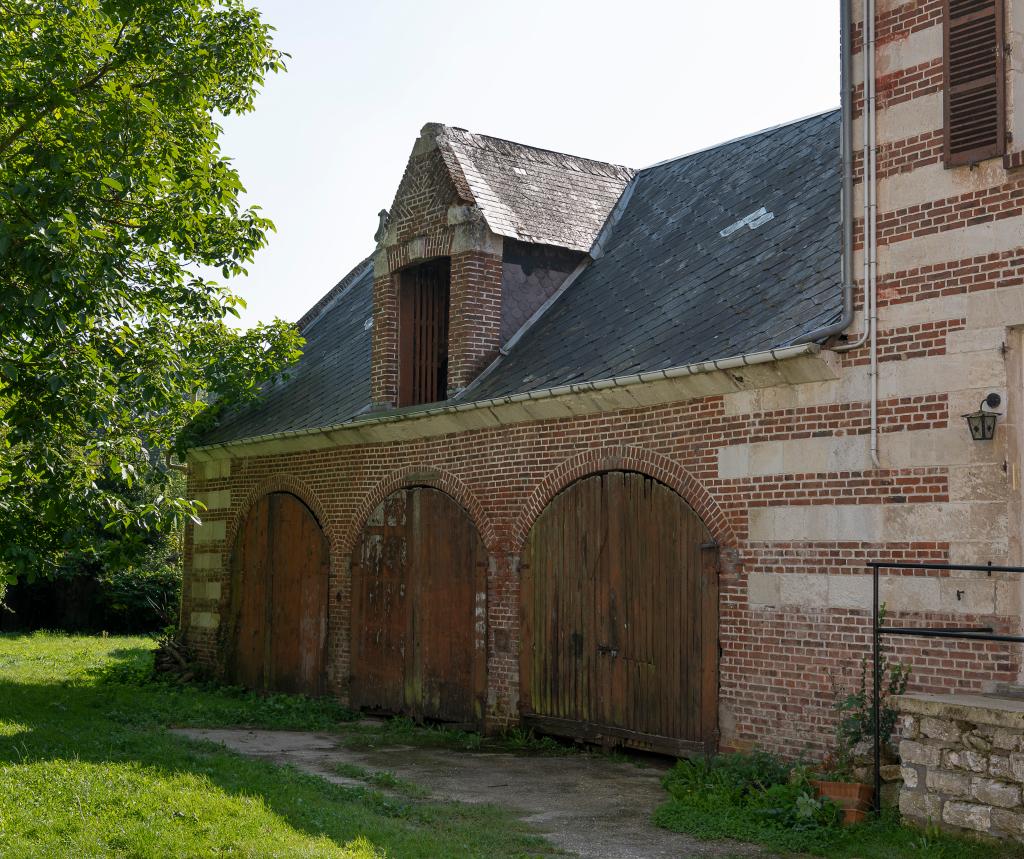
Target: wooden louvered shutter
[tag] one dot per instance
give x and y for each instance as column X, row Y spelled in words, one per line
column 423, row 334
column 975, row 112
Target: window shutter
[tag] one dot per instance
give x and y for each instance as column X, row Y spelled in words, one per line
column 423, row 334
column 975, row 81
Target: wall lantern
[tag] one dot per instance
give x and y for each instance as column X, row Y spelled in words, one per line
column 983, row 423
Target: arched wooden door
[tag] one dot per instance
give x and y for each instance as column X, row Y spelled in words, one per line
column 419, row 613
column 280, row 567
column 620, row 617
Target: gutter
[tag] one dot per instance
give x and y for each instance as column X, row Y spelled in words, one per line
column 749, row 360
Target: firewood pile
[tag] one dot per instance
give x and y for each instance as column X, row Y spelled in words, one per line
column 174, row 658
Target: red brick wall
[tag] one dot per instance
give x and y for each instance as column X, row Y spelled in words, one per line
column 777, row 664
column 474, row 332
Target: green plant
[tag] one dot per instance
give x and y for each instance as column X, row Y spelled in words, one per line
column 856, row 709
column 758, row 798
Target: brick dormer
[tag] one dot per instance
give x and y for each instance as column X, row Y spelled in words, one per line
column 481, row 233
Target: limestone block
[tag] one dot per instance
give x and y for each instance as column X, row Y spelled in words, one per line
column 920, row 115
column 214, row 469
column 968, row 815
column 849, row 592
column 219, row 500
column 909, row 726
column 915, row 312
column 910, row 776
column 913, row 752
column 973, row 339
column 209, row 532
column 734, row 461
column 911, row 593
column 206, row 561
column 972, row 597
column 976, row 740
column 920, row 806
column 948, row 783
column 804, row 589
column 978, row 483
column 764, row 589
column 950, row 245
column 999, row 767
column 995, row 307
column 966, row 759
column 889, row 772
column 1017, row 765
column 205, row 619
column 993, row 792
column 1008, row 822
column 1008, row 598
column 206, row 590
column 767, row 458
column 940, row 729
column 1006, row 738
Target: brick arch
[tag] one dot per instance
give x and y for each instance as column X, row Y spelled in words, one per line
column 282, row 482
column 622, row 458
column 444, row 481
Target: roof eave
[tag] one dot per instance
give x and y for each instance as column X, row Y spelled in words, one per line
column 787, row 365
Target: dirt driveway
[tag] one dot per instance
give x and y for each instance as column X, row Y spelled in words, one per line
column 590, row 806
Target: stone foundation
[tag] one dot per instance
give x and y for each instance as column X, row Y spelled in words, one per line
column 963, row 763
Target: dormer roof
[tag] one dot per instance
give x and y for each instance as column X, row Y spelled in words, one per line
column 530, row 194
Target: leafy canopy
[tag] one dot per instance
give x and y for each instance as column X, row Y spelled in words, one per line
column 114, row 196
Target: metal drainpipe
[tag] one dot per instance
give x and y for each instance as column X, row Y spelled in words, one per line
column 871, row 215
column 846, row 202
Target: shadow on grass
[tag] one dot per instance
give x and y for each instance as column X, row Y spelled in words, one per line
column 101, row 718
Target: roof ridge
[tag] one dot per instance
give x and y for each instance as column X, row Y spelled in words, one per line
column 740, row 138
column 473, row 138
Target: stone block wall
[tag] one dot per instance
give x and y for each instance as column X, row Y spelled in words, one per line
column 963, row 763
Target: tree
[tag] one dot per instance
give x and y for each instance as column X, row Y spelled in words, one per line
column 114, row 197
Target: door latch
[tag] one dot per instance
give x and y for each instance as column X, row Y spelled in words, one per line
column 607, row 650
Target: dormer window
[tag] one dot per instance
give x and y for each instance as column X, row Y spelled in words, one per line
column 423, row 333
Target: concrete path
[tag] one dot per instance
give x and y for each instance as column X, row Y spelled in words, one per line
column 590, row 806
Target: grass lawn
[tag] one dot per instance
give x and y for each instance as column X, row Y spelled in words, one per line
column 87, row 769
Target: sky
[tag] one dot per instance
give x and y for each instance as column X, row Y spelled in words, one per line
column 633, row 82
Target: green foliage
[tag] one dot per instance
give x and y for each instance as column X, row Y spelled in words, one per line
column 114, row 196
column 758, row 798
column 88, row 769
column 855, row 707
column 382, row 779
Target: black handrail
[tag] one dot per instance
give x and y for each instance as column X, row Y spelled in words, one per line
column 984, row 633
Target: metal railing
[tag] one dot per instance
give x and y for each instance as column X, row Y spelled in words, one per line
column 983, row 633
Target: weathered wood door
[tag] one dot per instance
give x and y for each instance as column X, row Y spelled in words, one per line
column 419, row 584
column 280, row 568
column 620, row 617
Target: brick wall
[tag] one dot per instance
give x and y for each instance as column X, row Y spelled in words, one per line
column 780, row 473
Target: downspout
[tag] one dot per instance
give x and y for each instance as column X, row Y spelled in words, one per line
column 846, row 201
column 871, row 214
column 869, row 326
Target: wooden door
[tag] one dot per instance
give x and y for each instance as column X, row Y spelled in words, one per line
column 419, row 578
column 280, row 568
column 620, row 617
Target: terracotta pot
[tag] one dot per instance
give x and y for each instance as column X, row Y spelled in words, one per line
column 853, row 798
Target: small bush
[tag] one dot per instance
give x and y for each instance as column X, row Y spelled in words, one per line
column 758, row 798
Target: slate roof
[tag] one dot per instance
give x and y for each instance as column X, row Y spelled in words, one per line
column 531, row 194
column 672, row 290
column 331, row 382
column 691, row 270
